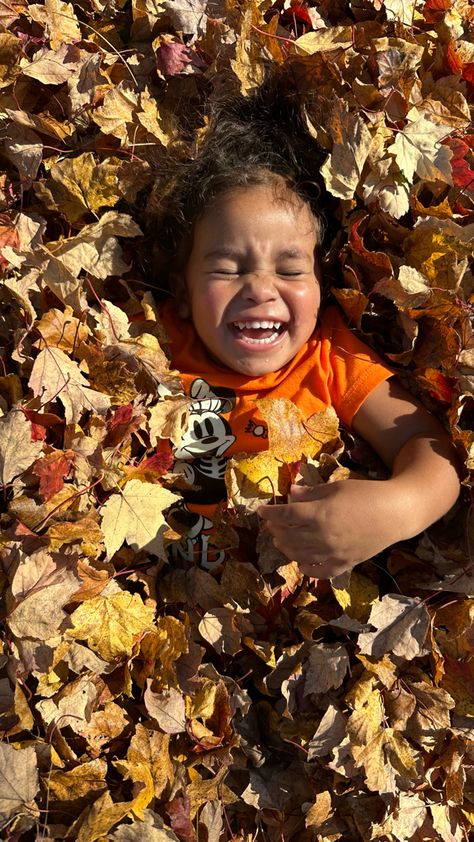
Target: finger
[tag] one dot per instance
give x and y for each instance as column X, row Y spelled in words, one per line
column 288, row 514
column 315, row 571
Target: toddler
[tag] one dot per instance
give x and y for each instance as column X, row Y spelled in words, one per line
column 244, row 228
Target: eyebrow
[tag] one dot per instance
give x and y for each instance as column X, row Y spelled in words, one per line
column 292, row 253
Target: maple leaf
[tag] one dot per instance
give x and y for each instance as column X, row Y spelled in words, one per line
column 329, row 733
column 135, row 515
column 290, row 436
column 18, row 782
column 111, row 624
column 50, row 66
column 167, row 708
column 79, row 186
column 18, row 450
column 418, row 148
column 150, row 829
column 219, row 629
column 343, row 167
column 55, row 375
column 61, row 329
column 60, row 20
column 401, row 626
column 41, row 587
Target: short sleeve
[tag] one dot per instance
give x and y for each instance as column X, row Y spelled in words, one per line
column 354, row 369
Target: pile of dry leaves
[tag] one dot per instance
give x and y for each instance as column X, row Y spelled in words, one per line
column 140, row 702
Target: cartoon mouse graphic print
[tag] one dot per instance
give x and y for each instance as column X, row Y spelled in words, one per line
column 200, row 459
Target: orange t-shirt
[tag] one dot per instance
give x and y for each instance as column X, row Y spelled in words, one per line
column 334, row 368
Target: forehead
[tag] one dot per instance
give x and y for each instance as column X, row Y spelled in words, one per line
column 266, row 211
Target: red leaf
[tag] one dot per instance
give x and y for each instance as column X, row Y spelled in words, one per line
column 378, row 261
column 179, row 812
column 52, row 471
column 172, row 58
column 159, row 462
column 456, row 65
column 463, row 176
column 434, row 10
column 121, row 424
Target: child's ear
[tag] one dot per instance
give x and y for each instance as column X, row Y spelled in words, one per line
column 178, row 283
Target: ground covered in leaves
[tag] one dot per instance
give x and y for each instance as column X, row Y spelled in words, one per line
column 140, row 702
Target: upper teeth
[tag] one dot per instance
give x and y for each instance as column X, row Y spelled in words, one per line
column 255, row 325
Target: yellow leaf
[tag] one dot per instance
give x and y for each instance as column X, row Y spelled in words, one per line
column 60, row 21
column 248, row 65
column 112, row 624
column 150, row 118
column 60, row 329
column 290, row 436
column 159, row 651
column 367, row 718
column 104, row 725
column 78, row 186
column 202, row 791
column 329, row 38
column 383, row 668
column 357, row 597
column 86, row 532
column 438, row 255
column 260, row 476
column 319, row 811
column 152, row 749
column 342, row 169
column 135, row 515
column 10, row 47
column 140, row 773
column 169, row 419
column 83, row 780
column 95, row 821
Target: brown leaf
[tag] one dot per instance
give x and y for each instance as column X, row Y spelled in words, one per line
column 41, row 587
column 218, row 627
column 167, row 708
column 402, row 625
column 151, row 829
column 17, row 449
column 18, row 781
column 55, row 375
column 330, row 733
column 327, row 666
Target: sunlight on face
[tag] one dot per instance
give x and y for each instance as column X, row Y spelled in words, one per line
column 252, row 279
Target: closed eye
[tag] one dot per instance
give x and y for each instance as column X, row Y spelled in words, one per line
column 293, row 274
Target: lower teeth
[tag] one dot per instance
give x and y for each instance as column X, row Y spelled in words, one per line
column 265, row 341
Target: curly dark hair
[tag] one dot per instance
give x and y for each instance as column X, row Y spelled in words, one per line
column 260, row 139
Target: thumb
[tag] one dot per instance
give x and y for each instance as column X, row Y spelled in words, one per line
column 300, row 493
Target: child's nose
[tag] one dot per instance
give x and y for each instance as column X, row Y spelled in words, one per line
column 259, row 287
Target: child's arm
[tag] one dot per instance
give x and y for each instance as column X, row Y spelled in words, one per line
column 330, row 528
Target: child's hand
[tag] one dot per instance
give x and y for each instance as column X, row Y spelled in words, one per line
column 330, row 528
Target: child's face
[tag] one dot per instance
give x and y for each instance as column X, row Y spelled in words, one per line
column 251, row 278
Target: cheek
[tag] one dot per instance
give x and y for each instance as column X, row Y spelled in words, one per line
column 210, row 302
column 306, row 306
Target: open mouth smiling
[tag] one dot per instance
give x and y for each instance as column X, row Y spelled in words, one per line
column 258, row 331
